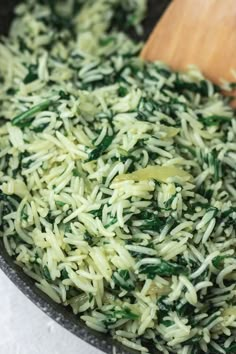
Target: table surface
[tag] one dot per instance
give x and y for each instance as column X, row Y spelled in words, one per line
column 27, row 330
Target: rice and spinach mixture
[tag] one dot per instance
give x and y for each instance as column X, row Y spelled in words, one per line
column 117, row 179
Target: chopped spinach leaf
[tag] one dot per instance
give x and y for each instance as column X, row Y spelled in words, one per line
column 59, row 203
column 231, row 348
column 24, row 118
column 122, row 279
column 101, row 148
column 32, row 74
column 63, row 95
column 64, row 274
column 75, row 172
column 151, row 221
column 46, row 273
column 89, row 238
column 214, row 120
column 163, row 268
column 122, row 91
column 112, row 316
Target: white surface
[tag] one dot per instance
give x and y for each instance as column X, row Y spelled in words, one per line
column 27, row 330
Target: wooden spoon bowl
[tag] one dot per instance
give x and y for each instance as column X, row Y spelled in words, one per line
column 199, row 32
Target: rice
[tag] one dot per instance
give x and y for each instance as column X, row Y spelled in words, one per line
column 117, row 179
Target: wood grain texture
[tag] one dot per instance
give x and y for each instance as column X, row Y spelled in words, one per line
column 198, row 32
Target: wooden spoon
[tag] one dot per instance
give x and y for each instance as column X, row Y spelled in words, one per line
column 199, row 32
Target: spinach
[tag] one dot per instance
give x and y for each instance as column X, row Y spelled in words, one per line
column 89, row 238
column 163, row 268
column 231, row 348
column 101, row 148
column 46, row 273
column 122, row 91
column 57, row 20
column 169, row 202
column 11, row 91
column 23, row 119
column 59, row 203
column 112, row 221
column 63, row 95
column 226, row 213
column 164, row 72
column 210, row 159
column 163, row 308
column 97, row 213
column 195, row 350
column 112, row 316
column 211, row 318
column 40, row 128
column 193, row 340
column 214, row 209
column 231, row 220
column 183, row 86
column 50, row 217
column 123, row 159
column 32, row 74
column 107, row 40
column 214, row 120
column 22, row 45
column 90, row 297
column 167, row 323
column 122, row 279
column 64, row 274
column 7, row 205
column 152, row 222
column 218, row 261
column 67, row 227
column 23, row 215
column 123, row 18
column 185, row 310
column 75, row 172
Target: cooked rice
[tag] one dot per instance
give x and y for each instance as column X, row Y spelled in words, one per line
column 117, row 179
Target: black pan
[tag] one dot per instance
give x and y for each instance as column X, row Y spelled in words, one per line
column 59, row 313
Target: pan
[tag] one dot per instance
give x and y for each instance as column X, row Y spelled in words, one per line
column 59, row 313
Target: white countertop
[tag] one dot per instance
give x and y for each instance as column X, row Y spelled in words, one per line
column 27, row 330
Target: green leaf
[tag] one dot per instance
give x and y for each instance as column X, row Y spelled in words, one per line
column 122, row 279
column 167, row 323
column 228, row 212
column 112, row 221
column 122, row 91
column 107, row 40
column 112, row 316
column 32, row 74
column 231, row 349
column 169, row 202
column 63, row 95
column 163, row 268
column 24, row 118
column 88, row 238
column 64, row 274
column 218, row 262
column 151, row 221
column 59, row 203
column 75, row 172
column 193, row 340
column 101, row 148
column 46, row 273
column 214, row 120
column 126, row 313
column 40, row 128
column 23, row 215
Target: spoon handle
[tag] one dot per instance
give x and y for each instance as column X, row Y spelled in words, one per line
column 199, row 32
